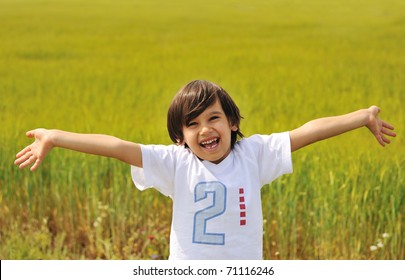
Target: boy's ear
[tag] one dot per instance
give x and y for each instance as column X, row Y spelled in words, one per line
column 234, row 128
column 178, row 143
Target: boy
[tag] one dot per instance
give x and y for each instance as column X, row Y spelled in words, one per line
column 213, row 179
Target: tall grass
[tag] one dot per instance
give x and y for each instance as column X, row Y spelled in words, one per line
column 113, row 66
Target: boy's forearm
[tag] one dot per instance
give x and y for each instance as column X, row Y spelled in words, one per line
column 98, row 144
column 323, row 128
column 86, row 143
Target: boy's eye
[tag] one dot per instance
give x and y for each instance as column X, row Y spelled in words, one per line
column 214, row 118
column 191, row 124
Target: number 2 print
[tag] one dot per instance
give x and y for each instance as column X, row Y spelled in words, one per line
column 217, row 192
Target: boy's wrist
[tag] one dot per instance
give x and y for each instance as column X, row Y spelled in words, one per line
column 367, row 116
column 53, row 137
column 371, row 113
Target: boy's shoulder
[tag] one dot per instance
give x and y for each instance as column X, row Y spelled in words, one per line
column 171, row 151
column 260, row 139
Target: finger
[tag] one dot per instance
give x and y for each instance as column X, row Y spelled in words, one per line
column 23, row 151
column 388, row 132
column 23, row 158
column 376, row 109
column 27, row 162
column 36, row 164
column 385, row 139
column 380, row 140
column 387, row 125
column 30, row 133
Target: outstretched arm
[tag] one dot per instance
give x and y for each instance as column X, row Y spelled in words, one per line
column 97, row 144
column 324, row 128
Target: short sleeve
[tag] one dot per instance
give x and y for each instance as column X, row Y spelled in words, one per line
column 275, row 156
column 158, row 169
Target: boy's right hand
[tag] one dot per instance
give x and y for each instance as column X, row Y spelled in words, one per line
column 36, row 152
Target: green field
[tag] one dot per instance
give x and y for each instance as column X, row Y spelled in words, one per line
column 113, row 66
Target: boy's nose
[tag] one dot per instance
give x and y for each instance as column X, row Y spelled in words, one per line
column 205, row 129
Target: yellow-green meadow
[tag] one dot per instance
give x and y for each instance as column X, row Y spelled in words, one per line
column 113, row 66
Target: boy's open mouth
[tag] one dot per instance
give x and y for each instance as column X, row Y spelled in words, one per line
column 210, row 144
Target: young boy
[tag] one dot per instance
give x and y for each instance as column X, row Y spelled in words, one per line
column 213, row 179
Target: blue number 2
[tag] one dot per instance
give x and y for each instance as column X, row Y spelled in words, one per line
column 218, row 193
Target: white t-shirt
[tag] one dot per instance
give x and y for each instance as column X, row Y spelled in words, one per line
column 217, row 210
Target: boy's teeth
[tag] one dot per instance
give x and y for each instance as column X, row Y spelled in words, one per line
column 209, row 142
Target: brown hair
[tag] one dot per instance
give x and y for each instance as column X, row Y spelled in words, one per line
column 192, row 100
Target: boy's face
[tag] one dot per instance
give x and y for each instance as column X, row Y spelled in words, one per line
column 209, row 135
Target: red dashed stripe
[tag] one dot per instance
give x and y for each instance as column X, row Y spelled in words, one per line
column 242, row 207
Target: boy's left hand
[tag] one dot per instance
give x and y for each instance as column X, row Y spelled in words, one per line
column 378, row 127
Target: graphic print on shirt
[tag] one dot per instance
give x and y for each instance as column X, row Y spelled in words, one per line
column 217, row 192
column 242, row 207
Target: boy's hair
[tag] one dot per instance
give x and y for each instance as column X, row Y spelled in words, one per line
column 192, row 100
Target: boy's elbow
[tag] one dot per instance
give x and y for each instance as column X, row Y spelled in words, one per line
column 302, row 137
column 130, row 153
column 295, row 141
